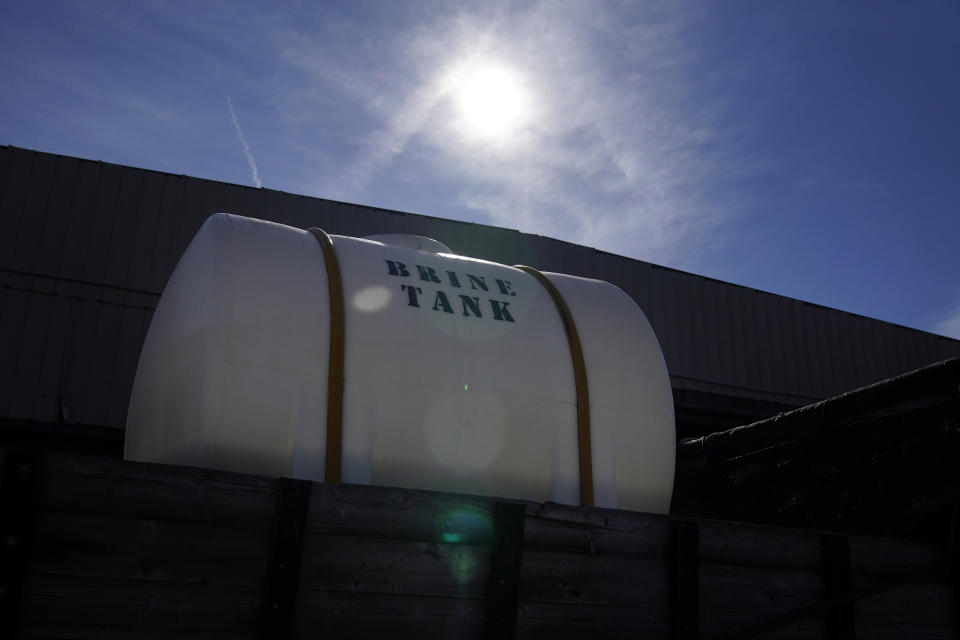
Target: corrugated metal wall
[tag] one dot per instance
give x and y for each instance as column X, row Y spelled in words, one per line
column 86, row 247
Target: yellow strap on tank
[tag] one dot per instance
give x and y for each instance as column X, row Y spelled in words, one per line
column 335, row 370
column 580, row 382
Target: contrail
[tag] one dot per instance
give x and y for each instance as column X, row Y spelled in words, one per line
column 243, row 143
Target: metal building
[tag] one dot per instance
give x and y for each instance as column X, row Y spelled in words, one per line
column 86, row 247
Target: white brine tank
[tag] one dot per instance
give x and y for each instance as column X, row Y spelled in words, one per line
column 446, row 372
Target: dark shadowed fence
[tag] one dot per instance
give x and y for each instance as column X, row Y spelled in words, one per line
column 881, row 460
column 96, row 548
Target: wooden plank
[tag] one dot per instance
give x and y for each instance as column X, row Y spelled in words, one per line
column 337, row 614
column 802, row 615
column 922, row 604
column 401, row 514
column 378, row 559
column 562, row 621
column 882, row 630
column 756, row 546
column 125, row 548
column 732, row 625
column 561, row 528
column 642, row 535
column 505, row 564
column 378, row 565
column 117, row 489
column 889, row 557
column 646, row 524
column 757, row 590
column 686, row 580
column 60, row 606
column 576, row 579
column 282, row 571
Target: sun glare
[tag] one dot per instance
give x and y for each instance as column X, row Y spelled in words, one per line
column 491, row 100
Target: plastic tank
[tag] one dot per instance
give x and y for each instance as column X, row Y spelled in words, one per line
column 457, row 372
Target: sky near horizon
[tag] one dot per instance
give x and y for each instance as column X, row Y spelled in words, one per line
column 805, row 148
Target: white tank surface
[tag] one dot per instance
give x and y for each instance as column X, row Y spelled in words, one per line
column 458, row 374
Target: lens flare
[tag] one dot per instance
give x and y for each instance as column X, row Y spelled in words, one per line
column 467, row 524
column 464, row 530
column 372, row 299
column 465, row 432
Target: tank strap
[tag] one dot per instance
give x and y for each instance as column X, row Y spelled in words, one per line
column 580, row 381
column 335, row 371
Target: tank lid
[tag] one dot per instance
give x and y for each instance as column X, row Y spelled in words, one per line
column 408, row 241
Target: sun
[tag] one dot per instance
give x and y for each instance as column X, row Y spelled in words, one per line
column 492, row 101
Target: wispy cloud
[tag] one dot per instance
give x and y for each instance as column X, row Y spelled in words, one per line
column 254, row 171
column 647, row 121
column 244, row 145
column 616, row 150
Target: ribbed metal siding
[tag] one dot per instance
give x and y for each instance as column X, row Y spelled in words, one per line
column 86, row 247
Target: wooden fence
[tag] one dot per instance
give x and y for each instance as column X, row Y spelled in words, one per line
column 881, row 460
column 97, row 548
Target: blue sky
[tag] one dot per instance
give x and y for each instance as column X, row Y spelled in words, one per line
column 804, row 148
